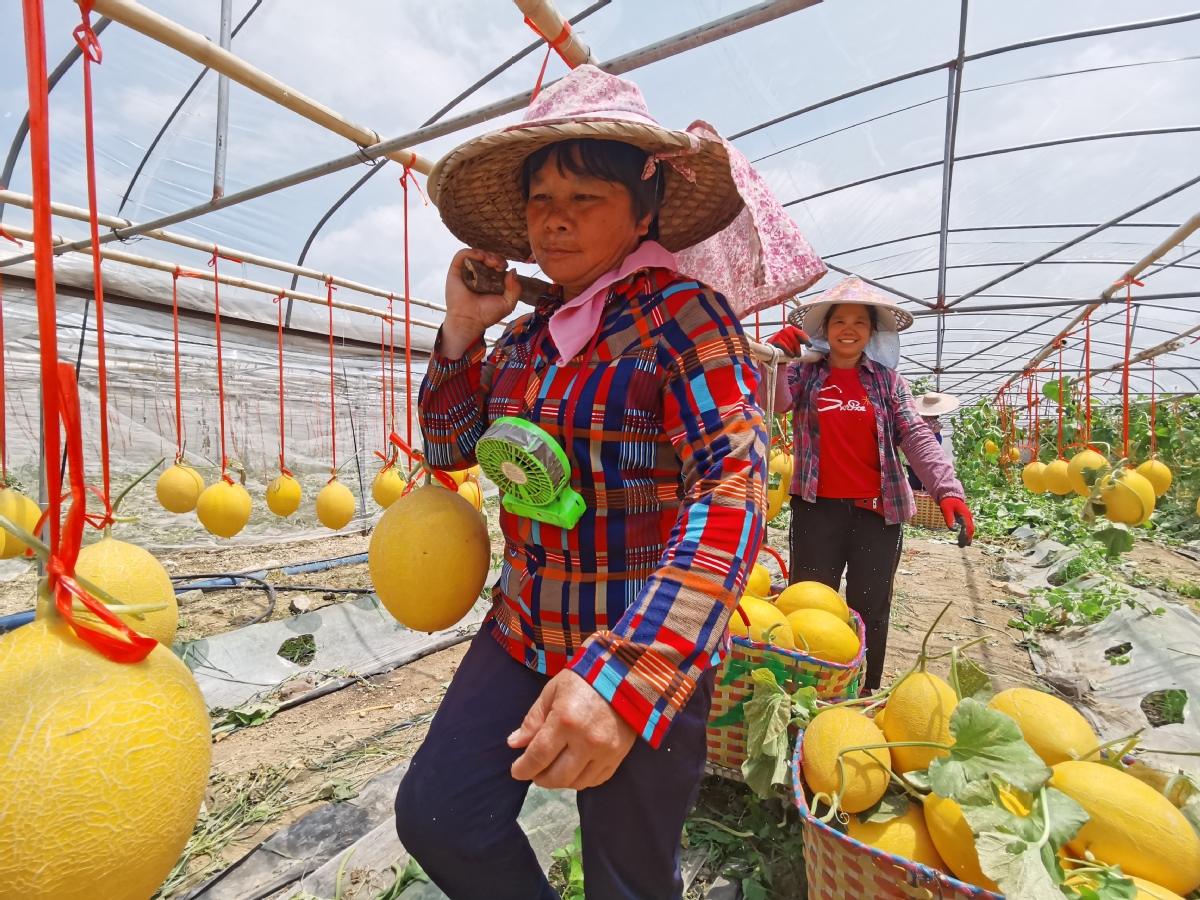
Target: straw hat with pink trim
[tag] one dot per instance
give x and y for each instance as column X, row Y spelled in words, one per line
column 890, row 315
column 477, row 186
column 933, row 404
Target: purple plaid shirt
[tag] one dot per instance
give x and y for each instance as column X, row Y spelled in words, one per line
column 898, row 424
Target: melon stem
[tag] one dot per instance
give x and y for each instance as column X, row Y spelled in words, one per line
column 121, row 496
column 1130, row 741
column 907, row 786
column 42, row 552
column 955, row 650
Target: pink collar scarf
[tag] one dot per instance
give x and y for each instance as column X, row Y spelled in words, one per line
column 575, row 322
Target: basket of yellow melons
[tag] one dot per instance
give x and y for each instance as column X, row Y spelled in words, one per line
column 804, row 634
column 1040, row 802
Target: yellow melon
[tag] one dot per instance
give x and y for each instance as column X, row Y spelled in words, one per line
column 470, row 491
column 812, row 595
column 462, row 475
column 1084, row 459
column 1034, row 477
column 822, row 635
column 1131, row 825
column 224, row 508
column 832, row 731
column 1057, row 477
column 283, row 496
column 906, row 836
column 1054, row 729
column 21, row 511
column 1014, row 455
column 1157, row 474
column 990, row 448
column 767, row 624
column 335, row 506
column 387, row 487
column 954, row 840
column 429, row 558
column 919, row 709
column 105, row 767
column 134, row 576
column 759, row 582
column 779, row 478
column 1128, row 498
column 178, row 488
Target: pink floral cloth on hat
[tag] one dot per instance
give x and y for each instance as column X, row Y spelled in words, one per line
column 588, row 93
column 761, row 258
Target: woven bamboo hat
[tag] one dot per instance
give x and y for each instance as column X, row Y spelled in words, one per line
column 477, row 186
column 934, row 404
column 811, row 316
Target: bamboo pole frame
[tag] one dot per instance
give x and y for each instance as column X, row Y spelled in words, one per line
column 145, row 262
column 195, row 46
column 551, row 24
column 74, row 212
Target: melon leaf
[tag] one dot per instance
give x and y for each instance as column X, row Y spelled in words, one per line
column 972, row 680
column 804, row 706
column 1015, row 866
column 891, row 805
column 768, row 713
column 986, row 742
column 1116, row 538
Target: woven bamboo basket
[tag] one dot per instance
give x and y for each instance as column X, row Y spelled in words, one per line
column 840, row 868
column 929, row 514
column 793, row 670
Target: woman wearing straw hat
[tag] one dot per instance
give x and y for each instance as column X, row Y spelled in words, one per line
column 594, row 669
column 852, row 414
column 931, row 406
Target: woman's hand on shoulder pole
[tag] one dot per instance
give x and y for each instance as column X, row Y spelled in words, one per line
column 469, row 315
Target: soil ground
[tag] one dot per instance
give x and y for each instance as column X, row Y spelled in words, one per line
column 287, row 766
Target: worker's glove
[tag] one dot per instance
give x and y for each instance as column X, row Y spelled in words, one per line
column 952, row 507
column 791, row 340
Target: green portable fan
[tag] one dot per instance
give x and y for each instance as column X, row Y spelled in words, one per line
column 532, row 470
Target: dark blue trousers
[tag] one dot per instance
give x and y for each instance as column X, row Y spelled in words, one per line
column 456, row 811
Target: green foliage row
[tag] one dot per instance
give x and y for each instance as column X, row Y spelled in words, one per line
column 1000, row 500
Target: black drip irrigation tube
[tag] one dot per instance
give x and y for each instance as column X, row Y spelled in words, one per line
column 206, row 585
column 222, row 581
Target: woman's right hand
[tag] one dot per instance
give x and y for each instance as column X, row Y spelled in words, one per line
column 468, row 314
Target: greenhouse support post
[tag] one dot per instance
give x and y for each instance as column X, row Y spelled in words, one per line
column 222, row 146
column 953, row 95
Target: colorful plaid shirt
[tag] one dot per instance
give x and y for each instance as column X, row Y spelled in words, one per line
column 898, row 424
column 668, row 451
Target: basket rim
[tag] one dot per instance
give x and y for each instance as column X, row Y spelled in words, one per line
column 922, row 870
column 856, row 663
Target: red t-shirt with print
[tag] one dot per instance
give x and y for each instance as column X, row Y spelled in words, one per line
column 849, row 462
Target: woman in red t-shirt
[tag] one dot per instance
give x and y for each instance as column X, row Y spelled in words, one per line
column 852, row 414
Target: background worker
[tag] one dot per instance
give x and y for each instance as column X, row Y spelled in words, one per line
column 931, row 406
column 852, row 415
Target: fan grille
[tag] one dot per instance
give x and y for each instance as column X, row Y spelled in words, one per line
column 523, row 460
